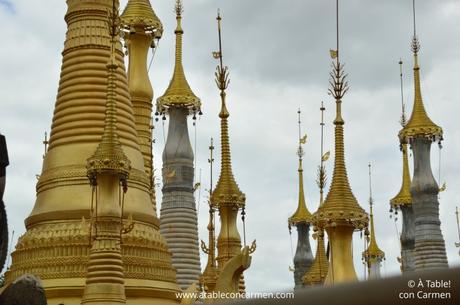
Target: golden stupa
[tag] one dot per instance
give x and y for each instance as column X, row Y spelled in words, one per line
column 340, row 215
column 224, row 271
column 56, row 246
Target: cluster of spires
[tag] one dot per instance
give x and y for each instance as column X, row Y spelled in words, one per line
column 340, row 214
column 111, row 168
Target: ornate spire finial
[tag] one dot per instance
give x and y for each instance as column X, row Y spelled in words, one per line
column 403, row 106
column 419, row 124
column 458, row 229
column 322, row 177
column 371, row 201
column 338, row 82
column 227, row 190
column 209, row 274
column 179, row 94
column 415, row 45
column 179, row 8
column 222, row 73
column 301, row 215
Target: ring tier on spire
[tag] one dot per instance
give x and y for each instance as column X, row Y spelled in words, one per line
column 179, row 93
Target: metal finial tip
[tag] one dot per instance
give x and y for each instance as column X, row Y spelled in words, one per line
column 415, row 45
column 218, row 14
column 400, row 61
column 179, row 8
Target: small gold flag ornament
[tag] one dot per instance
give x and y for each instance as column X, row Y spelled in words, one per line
column 326, row 156
column 443, row 187
column 303, row 140
column 334, row 53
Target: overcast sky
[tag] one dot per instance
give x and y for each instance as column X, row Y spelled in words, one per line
column 278, row 55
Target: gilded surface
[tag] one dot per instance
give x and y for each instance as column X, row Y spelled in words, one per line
column 419, row 124
column 318, row 271
column 140, row 13
column 55, row 247
column 404, row 196
column 178, row 93
column 301, row 214
column 340, row 214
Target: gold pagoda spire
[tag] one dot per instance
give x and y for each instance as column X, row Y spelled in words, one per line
column 340, row 203
column 227, row 190
column 373, row 252
column 340, row 214
column 210, row 273
column 301, row 214
column 109, row 155
column 319, row 269
column 419, row 123
column 227, row 198
column 404, row 196
column 179, row 93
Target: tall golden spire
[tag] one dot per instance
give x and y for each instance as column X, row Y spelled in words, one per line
column 179, row 93
column 209, row 276
column 419, row 123
column 318, row 271
column 340, row 214
column 373, row 253
column 340, row 203
column 227, row 197
column 404, row 196
column 301, row 214
column 109, row 155
column 227, row 190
